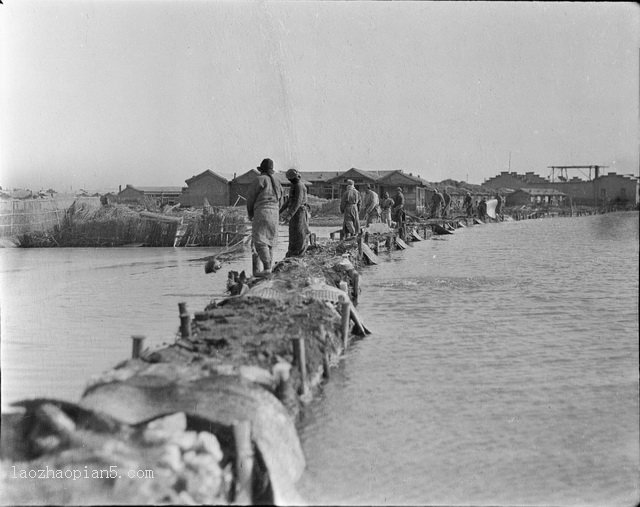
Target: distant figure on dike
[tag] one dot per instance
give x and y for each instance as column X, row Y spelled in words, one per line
column 467, row 204
column 446, row 203
column 263, row 207
column 397, row 212
column 350, row 208
column 385, row 208
column 499, row 207
column 482, row 209
column 296, row 211
column 437, row 203
column 371, row 206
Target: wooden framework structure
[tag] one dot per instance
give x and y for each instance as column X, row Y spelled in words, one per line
column 563, row 171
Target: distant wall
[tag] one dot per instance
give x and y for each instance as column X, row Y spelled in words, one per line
column 130, row 196
column 21, row 216
column 595, row 192
column 616, row 187
column 215, row 191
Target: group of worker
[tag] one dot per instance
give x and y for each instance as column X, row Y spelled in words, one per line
column 266, row 206
column 481, row 209
column 370, row 207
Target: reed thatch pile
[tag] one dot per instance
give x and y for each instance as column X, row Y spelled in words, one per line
column 216, row 226
column 112, row 226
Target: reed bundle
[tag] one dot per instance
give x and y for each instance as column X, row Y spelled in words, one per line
column 216, row 226
column 112, row 226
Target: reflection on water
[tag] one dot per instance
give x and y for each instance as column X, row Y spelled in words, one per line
column 503, row 368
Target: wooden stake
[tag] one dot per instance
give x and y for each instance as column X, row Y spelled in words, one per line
column 185, row 321
column 325, row 341
column 325, row 365
column 300, row 358
column 136, row 346
column 346, row 315
column 244, row 462
column 355, row 278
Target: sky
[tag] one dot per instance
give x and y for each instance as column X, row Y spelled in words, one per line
column 97, row 94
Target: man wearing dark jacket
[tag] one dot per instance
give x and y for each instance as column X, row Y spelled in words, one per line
column 297, row 212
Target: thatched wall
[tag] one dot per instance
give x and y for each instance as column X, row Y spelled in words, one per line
column 25, row 216
column 112, row 226
column 119, row 225
column 215, row 227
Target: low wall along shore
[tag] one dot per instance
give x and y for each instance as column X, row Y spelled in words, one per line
column 86, row 222
column 23, row 216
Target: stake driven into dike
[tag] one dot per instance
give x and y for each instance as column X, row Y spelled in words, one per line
column 211, row 418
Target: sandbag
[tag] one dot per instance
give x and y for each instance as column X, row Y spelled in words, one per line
column 219, row 398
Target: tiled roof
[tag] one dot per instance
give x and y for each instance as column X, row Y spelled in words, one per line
column 247, row 177
column 354, row 172
column 319, row 175
column 393, row 177
column 204, row 173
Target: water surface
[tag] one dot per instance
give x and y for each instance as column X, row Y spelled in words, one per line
column 503, row 368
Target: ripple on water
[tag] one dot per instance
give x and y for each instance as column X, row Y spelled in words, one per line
column 502, row 370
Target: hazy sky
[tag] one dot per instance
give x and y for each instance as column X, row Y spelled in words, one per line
column 97, row 94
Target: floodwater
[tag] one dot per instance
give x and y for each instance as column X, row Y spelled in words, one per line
column 502, row 368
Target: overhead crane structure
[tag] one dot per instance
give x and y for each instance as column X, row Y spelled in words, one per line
column 563, row 170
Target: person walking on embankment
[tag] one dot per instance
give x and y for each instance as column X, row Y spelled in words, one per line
column 482, row 209
column 437, row 202
column 296, row 210
column 263, row 207
column 467, row 204
column 499, row 207
column 350, row 207
column 397, row 212
column 385, row 208
column 371, row 205
column 446, row 200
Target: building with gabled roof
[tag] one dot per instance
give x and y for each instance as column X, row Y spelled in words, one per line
column 416, row 190
column 209, row 185
column 320, row 185
column 360, row 178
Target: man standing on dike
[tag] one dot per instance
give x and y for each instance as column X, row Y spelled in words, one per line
column 297, row 212
column 350, row 207
column 437, row 201
column 371, row 205
column 482, row 209
column 447, row 203
column 263, row 207
column 468, row 204
column 385, row 208
column 397, row 212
